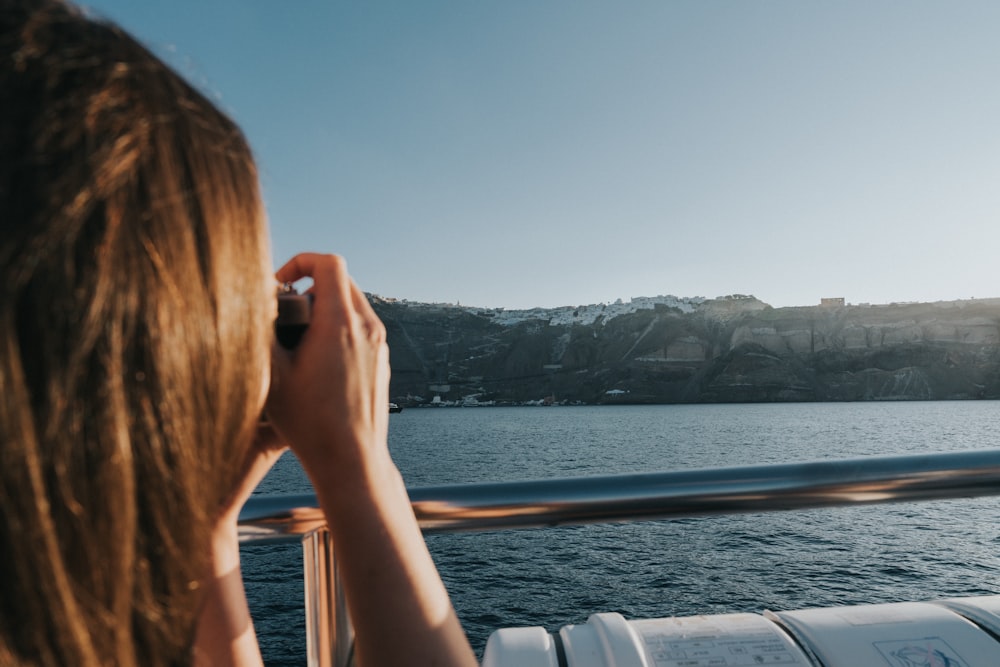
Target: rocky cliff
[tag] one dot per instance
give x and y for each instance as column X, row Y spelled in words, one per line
column 669, row 350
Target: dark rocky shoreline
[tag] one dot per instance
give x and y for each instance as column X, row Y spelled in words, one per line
column 732, row 349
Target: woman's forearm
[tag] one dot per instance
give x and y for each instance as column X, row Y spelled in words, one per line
column 398, row 604
column 224, row 635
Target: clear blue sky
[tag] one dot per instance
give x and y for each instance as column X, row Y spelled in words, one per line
column 524, row 153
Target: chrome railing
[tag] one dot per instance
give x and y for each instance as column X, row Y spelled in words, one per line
column 577, row 500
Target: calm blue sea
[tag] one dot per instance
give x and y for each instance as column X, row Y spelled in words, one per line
column 784, row 560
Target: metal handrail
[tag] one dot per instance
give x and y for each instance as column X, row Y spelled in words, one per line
column 614, row 498
column 684, row 493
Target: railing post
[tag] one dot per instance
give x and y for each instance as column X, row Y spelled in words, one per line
column 329, row 635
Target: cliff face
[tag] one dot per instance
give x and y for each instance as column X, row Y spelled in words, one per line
column 665, row 350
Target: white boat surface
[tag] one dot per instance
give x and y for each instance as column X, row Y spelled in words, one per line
column 959, row 632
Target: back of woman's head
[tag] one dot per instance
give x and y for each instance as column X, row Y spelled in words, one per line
column 133, row 339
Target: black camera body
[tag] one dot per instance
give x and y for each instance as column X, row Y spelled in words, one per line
column 294, row 314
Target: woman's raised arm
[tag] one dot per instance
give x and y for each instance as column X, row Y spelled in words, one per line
column 329, row 400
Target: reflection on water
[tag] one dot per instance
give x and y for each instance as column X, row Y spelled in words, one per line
column 738, row 563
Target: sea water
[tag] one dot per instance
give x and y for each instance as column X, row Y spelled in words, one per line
column 786, row 560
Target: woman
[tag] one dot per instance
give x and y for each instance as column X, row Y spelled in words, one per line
column 136, row 304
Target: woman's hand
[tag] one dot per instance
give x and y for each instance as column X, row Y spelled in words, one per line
column 329, row 397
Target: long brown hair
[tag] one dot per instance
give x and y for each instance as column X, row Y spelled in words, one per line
column 134, row 338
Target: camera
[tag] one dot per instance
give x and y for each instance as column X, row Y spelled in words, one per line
column 294, row 312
